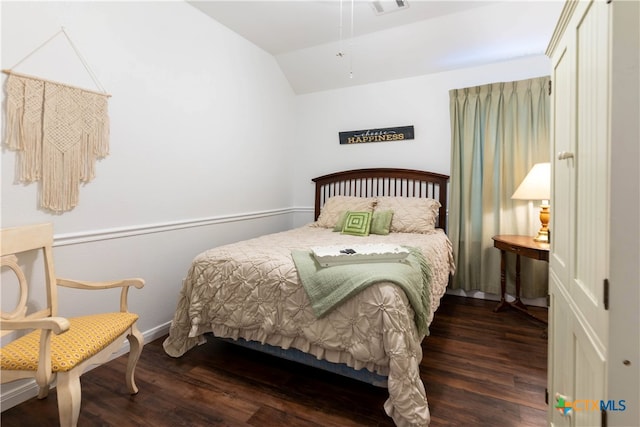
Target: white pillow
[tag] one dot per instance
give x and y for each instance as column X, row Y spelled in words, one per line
column 335, row 206
column 410, row 214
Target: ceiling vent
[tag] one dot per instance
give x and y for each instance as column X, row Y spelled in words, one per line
column 380, row 7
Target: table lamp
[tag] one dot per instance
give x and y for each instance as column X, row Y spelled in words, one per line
column 537, row 186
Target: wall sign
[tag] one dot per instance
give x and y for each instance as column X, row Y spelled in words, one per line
column 376, row 135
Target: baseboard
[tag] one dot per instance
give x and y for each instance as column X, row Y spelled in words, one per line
column 28, row 389
column 536, row 302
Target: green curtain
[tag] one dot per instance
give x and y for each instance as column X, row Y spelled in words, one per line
column 499, row 131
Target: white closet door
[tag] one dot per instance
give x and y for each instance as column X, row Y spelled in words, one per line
column 579, row 250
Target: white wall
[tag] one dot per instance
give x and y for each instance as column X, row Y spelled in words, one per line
column 419, row 101
column 195, row 110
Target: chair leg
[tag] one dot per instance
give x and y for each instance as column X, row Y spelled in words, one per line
column 43, row 391
column 44, row 385
column 136, row 342
column 69, row 398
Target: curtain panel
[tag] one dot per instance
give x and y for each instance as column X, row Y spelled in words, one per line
column 499, row 131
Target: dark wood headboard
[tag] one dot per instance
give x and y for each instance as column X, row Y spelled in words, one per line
column 383, row 182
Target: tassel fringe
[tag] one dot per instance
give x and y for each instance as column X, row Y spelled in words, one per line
column 59, row 132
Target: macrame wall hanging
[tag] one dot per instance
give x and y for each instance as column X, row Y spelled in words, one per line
column 58, row 132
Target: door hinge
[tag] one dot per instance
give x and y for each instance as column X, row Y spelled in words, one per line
column 603, row 417
column 546, row 396
column 549, row 87
column 548, row 300
column 605, row 297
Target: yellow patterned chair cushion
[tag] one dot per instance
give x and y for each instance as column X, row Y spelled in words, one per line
column 86, row 336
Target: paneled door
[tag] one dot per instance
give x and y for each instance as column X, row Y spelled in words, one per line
column 594, row 273
column 578, row 259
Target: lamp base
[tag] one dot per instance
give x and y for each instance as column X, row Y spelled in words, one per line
column 542, row 237
column 543, row 233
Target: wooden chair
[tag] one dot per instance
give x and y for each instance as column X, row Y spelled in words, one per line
column 58, row 348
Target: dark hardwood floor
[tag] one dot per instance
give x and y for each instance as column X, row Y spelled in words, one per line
column 480, row 368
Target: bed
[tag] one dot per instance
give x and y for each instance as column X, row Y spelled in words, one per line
column 251, row 292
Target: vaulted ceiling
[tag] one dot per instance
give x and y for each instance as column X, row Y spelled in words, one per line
column 322, row 45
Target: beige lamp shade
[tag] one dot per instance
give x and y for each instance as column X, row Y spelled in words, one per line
column 537, row 186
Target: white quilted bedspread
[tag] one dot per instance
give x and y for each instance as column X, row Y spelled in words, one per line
column 251, row 290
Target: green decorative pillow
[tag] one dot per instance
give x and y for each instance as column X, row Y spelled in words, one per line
column 357, row 223
column 336, row 206
column 381, row 222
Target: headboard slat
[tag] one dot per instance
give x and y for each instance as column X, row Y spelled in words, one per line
column 383, row 182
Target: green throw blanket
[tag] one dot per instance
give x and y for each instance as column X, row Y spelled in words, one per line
column 329, row 286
